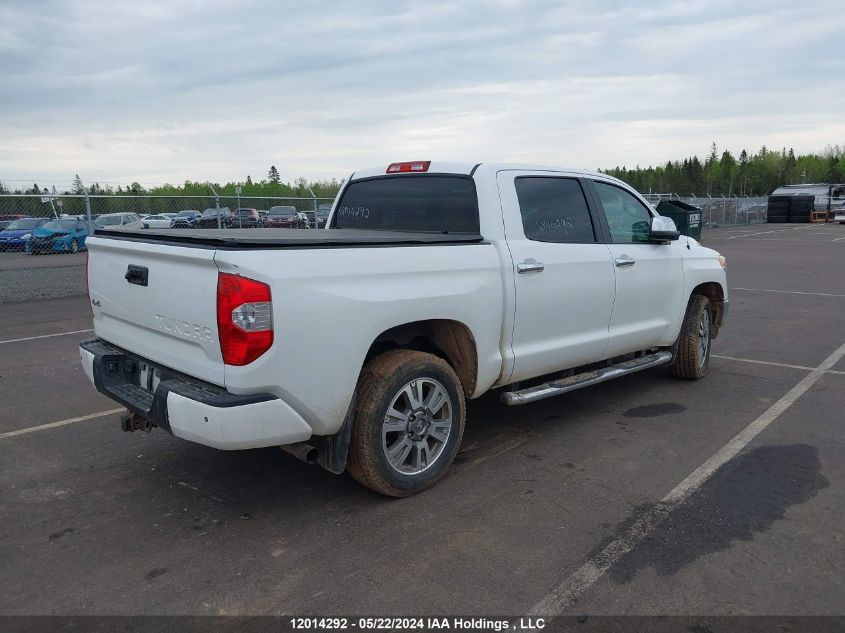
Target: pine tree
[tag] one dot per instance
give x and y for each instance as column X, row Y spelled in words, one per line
column 711, row 168
column 273, row 175
column 727, row 171
column 78, row 188
column 743, row 171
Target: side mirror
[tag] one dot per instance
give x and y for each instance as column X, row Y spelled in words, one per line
column 663, row 230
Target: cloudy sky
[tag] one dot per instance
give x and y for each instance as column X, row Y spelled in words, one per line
column 215, row 90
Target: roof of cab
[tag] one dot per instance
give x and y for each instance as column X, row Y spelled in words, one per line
column 450, row 167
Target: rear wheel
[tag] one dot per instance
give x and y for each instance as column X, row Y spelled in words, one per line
column 408, row 423
column 74, row 246
column 693, row 355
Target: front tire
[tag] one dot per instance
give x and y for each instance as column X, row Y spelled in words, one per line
column 693, row 355
column 74, row 246
column 408, row 423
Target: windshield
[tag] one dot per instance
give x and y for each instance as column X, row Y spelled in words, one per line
column 60, row 225
column 211, row 213
column 108, row 220
column 430, row 203
column 24, row 224
column 187, row 214
column 284, row 211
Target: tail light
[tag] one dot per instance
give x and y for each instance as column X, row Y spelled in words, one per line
column 416, row 165
column 244, row 318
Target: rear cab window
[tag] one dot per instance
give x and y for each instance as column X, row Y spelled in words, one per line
column 430, row 203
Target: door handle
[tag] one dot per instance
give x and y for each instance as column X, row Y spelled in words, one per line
column 530, row 266
column 624, row 261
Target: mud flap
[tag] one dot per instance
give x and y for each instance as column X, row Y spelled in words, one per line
column 333, row 449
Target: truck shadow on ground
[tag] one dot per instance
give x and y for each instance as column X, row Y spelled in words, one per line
column 743, row 498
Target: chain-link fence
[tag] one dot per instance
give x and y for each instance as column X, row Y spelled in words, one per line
column 716, row 212
column 56, row 227
column 42, row 237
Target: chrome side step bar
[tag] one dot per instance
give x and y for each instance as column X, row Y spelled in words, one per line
column 578, row 381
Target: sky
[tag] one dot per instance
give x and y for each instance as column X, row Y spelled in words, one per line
column 215, row 90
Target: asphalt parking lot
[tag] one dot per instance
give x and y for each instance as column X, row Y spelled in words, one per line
column 597, row 502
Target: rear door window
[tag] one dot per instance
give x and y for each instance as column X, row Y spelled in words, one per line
column 428, row 203
column 554, row 210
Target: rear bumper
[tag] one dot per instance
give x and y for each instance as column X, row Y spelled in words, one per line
column 189, row 408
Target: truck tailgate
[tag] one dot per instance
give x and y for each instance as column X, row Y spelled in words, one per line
column 158, row 301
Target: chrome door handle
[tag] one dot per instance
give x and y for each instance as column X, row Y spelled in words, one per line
column 530, row 266
column 625, row 261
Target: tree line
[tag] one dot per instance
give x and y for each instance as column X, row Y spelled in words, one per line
column 271, row 186
column 162, row 198
column 723, row 174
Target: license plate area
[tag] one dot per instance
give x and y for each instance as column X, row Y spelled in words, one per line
column 148, row 377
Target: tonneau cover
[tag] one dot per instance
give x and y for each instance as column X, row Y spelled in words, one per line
column 286, row 238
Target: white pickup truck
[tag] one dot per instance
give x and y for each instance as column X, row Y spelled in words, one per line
column 356, row 346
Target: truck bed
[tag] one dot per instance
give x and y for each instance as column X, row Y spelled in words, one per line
column 243, row 239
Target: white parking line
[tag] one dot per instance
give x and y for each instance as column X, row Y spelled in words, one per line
column 32, row 338
column 790, row 292
column 762, row 362
column 572, row 587
column 774, row 239
column 52, row 425
column 764, row 232
column 773, row 364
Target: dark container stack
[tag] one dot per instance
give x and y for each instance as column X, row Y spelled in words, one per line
column 792, row 209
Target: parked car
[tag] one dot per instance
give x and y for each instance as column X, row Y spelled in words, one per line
column 209, row 219
column 285, row 217
column 122, row 220
column 158, row 220
column 322, row 214
column 17, row 233
column 66, row 235
column 185, row 219
column 437, row 282
column 246, row 219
